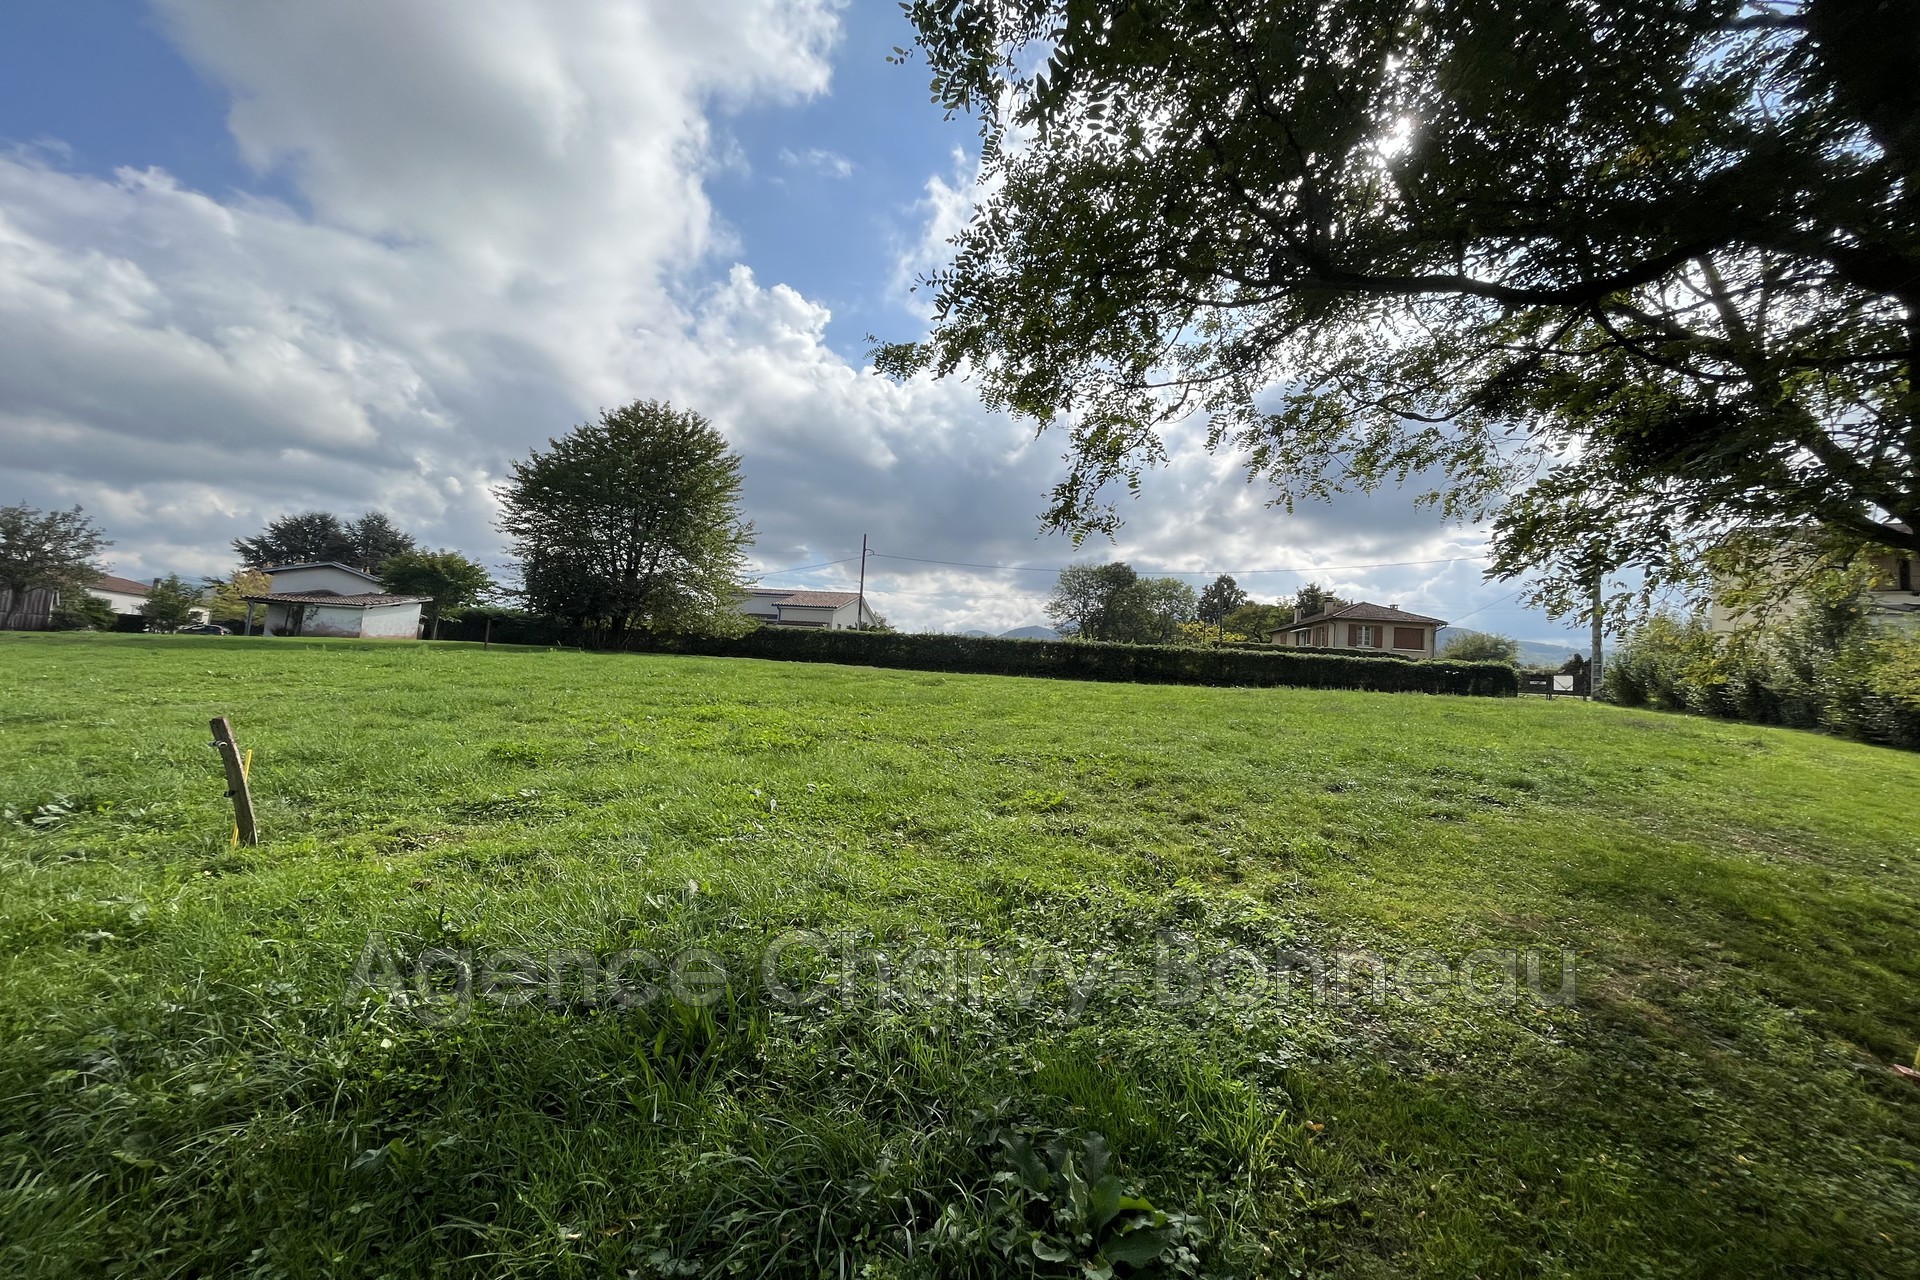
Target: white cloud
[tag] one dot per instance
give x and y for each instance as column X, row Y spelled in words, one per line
column 944, row 212
column 502, row 227
column 819, row 160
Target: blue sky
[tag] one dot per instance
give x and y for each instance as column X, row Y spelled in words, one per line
column 257, row 258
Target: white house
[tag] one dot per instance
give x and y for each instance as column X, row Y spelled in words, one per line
column 123, row 595
column 333, row 599
column 834, row 610
column 1378, row 627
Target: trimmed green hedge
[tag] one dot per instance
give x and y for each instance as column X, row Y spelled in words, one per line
column 1080, row 660
column 1261, row 666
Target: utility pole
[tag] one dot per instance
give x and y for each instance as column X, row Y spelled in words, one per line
column 860, row 610
column 1593, row 660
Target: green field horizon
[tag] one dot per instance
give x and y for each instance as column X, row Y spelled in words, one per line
column 562, row 964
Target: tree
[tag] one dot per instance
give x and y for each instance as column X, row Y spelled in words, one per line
column 631, row 521
column 1169, row 603
column 1111, row 602
column 453, row 581
column 226, row 597
column 1627, row 277
column 1481, row 646
column 1222, row 596
column 1258, row 620
column 375, row 539
column 83, row 611
column 306, row 538
column 1089, row 600
column 170, row 603
column 54, row 550
column 1313, row 598
column 321, row 536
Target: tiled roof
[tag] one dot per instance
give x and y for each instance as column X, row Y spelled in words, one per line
column 125, row 586
column 809, row 599
column 367, row 601
column 1364, row 612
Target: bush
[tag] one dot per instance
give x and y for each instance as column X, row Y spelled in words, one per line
column 1825, row 669
column 508, row 626
column 82, row 612
column 1257, row 666
column 1263, row 667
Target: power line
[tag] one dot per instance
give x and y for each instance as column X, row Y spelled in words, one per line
column 1488, row 605
column 801, row 568
column 1202, row 573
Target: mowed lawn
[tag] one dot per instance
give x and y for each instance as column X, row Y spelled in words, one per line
column 1003, row 916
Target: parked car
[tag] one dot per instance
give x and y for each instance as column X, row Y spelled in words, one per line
column 204, row 629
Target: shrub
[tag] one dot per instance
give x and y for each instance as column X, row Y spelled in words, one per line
column 1261, row 667
column 1824, row 669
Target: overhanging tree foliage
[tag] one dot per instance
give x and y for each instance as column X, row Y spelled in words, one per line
column 632, row 522
column 1631, row 276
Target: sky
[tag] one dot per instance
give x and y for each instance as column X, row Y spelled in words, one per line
column 259, row 257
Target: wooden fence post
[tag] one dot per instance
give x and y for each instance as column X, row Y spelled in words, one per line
column 236, row 781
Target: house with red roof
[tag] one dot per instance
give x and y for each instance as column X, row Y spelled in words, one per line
column 833, row 610
column 1380, row 628
column 326, row 598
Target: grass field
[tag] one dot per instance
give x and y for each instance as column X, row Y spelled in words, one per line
column 1063, row 976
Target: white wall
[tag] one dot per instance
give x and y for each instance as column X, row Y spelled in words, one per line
column 390, row 622
column 342, row 582
column 118, row 601
column 383, row 622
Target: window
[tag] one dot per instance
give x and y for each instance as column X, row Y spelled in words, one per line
column 1409, row 638
column 1319, row 637
column 1361, row 637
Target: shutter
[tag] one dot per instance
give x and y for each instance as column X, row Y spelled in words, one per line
column 1409, row 638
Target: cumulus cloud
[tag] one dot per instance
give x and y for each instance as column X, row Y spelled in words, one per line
column 818, row 160
column 498, row 225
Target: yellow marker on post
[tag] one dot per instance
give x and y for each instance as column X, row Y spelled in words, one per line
column 245, row 766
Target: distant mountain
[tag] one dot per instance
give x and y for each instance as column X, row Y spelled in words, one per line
column 1535, row 654
column 1030, row 633
column 977, row 633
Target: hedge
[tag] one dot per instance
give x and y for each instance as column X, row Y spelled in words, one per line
column 1057, row 659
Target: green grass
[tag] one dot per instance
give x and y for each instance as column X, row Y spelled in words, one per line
column 193, row 1082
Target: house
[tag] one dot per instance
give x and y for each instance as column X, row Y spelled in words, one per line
column 35, row 610
column 328, row 598
column 834, row 610
column 1893, row 598
column 1362, row 626
column 123, row 595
